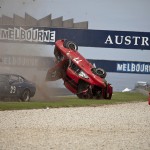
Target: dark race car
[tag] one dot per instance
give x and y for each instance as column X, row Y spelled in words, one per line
column 16, row 86
column 79, row 75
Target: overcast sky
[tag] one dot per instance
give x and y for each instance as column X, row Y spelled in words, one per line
column 122, row 15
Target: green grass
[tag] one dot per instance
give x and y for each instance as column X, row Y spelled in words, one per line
column 117, row 98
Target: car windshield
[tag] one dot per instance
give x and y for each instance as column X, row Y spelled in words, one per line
column 14, row 78
column 3, row 78
column 21, row 79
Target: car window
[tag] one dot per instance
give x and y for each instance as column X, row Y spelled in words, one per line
column 21, row 79
column 14, row 78
column 3, row 78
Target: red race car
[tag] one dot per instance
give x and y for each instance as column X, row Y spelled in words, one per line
column 79, row 75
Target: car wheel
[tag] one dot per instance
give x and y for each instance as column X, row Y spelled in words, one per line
column 86, row 95
column 80, row 96
column 101, row 72
column 99, row 94
column 25, row 97
column 71, row 45
column 84, row 91
column 107, row 95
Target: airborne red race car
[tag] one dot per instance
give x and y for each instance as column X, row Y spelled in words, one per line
column 79, row 75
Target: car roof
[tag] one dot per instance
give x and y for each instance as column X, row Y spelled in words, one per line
column 9, row 74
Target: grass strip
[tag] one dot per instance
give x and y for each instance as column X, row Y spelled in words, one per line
column 72, row 101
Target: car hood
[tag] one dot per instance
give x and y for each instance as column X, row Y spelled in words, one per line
column 86, row 66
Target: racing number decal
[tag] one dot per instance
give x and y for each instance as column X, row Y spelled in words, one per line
column 12, row 89
column 77, row 60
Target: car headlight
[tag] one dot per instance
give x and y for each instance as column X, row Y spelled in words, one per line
column 83, row 75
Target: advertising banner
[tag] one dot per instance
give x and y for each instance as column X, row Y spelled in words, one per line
column 83, row 37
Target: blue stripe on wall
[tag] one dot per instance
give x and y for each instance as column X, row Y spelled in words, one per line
column 47, row 62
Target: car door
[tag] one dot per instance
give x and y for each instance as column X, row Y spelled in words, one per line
column 13, row 85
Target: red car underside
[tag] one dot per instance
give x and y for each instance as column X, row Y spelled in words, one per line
column 78, row 74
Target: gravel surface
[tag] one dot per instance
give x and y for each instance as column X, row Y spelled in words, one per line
column 113, row 127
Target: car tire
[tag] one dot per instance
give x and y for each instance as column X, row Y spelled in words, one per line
column 99, row 94
column 25, row 96
column 84, row 86
column 85, row 96
column 80, row 96
column 70, row 45
column 101, row 72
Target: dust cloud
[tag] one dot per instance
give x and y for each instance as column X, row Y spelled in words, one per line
column 23, row 59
